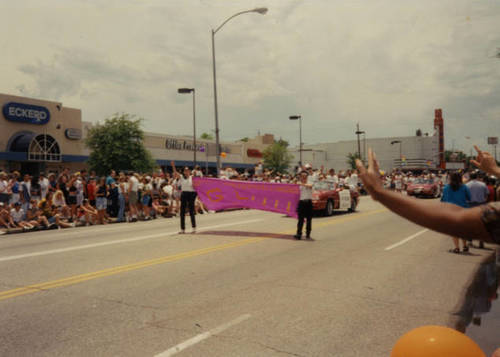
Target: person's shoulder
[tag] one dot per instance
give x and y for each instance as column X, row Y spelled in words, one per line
column 490, row 215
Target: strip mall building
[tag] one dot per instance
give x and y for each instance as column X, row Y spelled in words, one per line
column 424, row 151
column 39, row 135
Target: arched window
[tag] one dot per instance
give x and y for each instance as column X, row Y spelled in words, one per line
column 44, row 148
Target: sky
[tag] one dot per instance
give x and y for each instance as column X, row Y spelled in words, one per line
column 386, row 64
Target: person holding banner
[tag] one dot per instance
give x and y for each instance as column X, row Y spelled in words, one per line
column 188, row 196
column 305, row 207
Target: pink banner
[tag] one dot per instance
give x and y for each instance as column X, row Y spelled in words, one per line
column 217, row 194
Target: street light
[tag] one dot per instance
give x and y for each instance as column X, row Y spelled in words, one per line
column 299, row 118
column 358, row 133
column 259, row 10
column 188, row 91
column 400, row 155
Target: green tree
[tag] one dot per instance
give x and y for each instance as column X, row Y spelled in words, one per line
column 454, row 156
column 351, row 159
column 118, row 144
column 207, row 136
column 277, row 157
column 245, row 139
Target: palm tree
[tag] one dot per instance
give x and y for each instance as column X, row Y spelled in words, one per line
column 351, row 159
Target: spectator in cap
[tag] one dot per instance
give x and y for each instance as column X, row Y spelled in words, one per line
column 18, row 216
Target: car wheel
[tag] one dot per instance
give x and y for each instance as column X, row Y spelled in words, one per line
column 354, row 204
column 329, row 208
column 437, row 194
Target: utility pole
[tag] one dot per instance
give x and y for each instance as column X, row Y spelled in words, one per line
column 358, row 133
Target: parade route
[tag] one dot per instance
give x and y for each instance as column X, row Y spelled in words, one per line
column 240, row 286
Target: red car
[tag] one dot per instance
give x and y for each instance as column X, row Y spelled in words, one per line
column 326, row 198
column 424, row 188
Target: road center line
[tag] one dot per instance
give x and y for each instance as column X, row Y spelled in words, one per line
column 406, row 240
column 7, row 294
column 30, row 289
column 203, row 336
column 100, row 244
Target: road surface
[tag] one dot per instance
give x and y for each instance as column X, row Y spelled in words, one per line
column 241, row 286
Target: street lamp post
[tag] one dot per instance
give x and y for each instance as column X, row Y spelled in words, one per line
column 187, row 91
column 358, row 133
column 299, row 118
column 400, row 153
column 259, row 10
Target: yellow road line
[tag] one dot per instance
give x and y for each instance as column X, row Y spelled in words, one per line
column 29, row 289
column 120, row 269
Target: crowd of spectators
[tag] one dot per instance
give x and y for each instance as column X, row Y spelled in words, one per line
column 70, row 199
column 81, row 198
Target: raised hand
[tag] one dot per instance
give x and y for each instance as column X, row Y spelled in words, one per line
column 371, row 176
column 486, row 162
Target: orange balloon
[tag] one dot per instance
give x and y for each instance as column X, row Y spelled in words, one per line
column 223, row 154
column 436, row 341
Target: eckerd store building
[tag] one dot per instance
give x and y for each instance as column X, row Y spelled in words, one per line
column 39, row 135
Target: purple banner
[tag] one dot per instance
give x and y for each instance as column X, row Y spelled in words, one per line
column 217, row 194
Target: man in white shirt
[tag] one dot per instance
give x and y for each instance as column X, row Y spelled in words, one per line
column 332, row 177
column 305, row 207
column 44, row 185
column 4, row 188
column 353, row 180
column 133, row 188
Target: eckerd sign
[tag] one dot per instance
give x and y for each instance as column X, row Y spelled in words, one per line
column 26, row 113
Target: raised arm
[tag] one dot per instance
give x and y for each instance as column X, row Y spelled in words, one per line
column 175, row 172
column 439, row 216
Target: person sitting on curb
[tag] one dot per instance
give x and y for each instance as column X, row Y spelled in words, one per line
column 60, row 220
column 5, row 218
column 35, row 217
column 88, row 213
column 481, row 223
column 17, row 214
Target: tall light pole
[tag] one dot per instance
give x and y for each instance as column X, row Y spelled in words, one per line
column 400, row 153
column 259, row 10
column 358, row 133
column 187, row 91
column 299, row 118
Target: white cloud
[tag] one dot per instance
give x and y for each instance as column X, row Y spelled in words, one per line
column 387, row 64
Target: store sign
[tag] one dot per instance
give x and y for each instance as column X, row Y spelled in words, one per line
column 26, row 113
column 493, row 140
column 254, row 153
column 73, row 133
column 174, row 144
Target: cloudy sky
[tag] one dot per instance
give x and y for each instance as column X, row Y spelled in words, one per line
column 386, row 64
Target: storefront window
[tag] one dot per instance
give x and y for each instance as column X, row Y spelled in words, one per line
column 44, row 148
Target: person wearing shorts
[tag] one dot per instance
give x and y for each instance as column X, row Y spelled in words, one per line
column 101, row 201
column 133, row 187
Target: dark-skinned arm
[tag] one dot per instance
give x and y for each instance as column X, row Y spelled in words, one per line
column 439, row 216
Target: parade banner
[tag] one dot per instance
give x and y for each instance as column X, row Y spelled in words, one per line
column 217, row 194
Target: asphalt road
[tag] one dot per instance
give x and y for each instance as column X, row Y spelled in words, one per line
column 241, row 286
